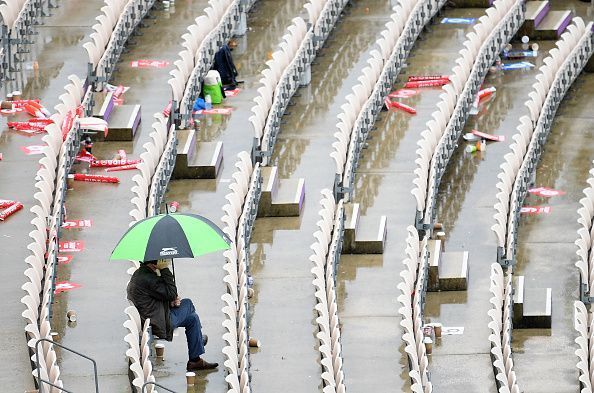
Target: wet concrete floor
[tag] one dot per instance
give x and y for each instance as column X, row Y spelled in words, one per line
column 101, row 299
column 202, row 278
column 283, row 305
column 383, row 184
column 58, row 51
column 544, row 358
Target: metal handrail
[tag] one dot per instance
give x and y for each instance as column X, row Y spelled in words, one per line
column 143, row 389
column 42, row 381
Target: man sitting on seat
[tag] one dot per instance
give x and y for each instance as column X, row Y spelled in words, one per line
column 153, row 292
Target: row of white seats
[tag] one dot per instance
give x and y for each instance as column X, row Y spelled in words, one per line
column 241, row 202
column 585, row 240
column 364, row 94
column 584, row 325
column 522, row 152
column 585, row 263
column 568, row 42
column 200, row 44
column 138, row 352
column 412, row 311
column 14, row 10
column 413, row 282
column 288, row 64
column 152, row 156
column 325, row 250
column 443, row 123
column 271, row 76
column 118, row 20
column 39, row 288
column 500, row 327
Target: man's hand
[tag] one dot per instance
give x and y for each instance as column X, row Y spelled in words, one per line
column 163, row 263
column 176, row 302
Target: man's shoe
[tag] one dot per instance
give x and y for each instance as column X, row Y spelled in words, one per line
column 204, row 340
column 200, row 364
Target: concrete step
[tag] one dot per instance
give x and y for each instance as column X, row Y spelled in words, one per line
column 288, row 199
column 532, row 306
column 269, row 187
column 104, row 105
column 435, row 249
column 553, row 25
column 352, row 215
column 197, row 160
column 536, row 11
column 453, row 271
column 370, row 237
column 123, row 123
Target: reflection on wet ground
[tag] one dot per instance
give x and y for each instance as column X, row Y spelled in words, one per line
column 282, row 312
column 101, row 299
column 203, row 282
column 58, row 53
column 367, row 284
column 544, row 359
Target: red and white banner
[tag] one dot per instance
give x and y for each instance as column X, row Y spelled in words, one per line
column 65, row 259
column 9, row 211
column 489, row 137
column 32, row 150
column 545, row 192
column 536, row 210
column 403, row 93
column 214, row 111
column 64, row 286
column 76, row 224
column 144, row 63
column 71, row 246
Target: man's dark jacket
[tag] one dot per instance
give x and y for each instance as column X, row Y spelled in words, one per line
column 151, row 295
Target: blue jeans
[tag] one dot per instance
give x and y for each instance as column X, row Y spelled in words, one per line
column 185, row 316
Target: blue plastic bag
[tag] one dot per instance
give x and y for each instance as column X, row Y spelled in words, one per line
column 199, row 104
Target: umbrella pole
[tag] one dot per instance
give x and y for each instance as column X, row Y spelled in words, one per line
column 173, row 270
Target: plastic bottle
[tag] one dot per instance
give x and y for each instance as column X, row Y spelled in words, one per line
column 483, row 145
column 470, row 149
column 208, row 101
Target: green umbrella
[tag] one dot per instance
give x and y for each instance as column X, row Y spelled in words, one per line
column 170, row 236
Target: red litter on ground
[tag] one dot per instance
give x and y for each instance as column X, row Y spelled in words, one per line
column 4, row 203
column 546, row 192
column 10, row 210
column 167, row 110
column 214, row 111
column 75, row 224
column 32, row 150
column 404, row 107
column 64, row 259
column 122, row 168
column 85, row 156
column 122, row 154
column 71, row 246
column 419, row 78
column 111, row 163
column 494, row 138
column 94, row 178
column 144, row 63
column 403, row 93
column 486, row 93
column 64, row 286
column 429, row 83
column 536, row 210
column 232, row 93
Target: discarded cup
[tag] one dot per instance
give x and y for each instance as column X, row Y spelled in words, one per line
column 190, row 378
column 437, row 329
column 55, row 336
column 428, row 345
column 250, row 293
column 174, row 207
column 441, row 236
column 160, row 350
column 71, row 315
column 254, row 343
column 525, row 39
column 16, row 95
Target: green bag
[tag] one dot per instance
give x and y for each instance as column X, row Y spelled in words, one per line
column 213, row 87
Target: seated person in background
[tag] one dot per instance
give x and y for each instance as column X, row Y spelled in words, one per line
column 153, row 292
